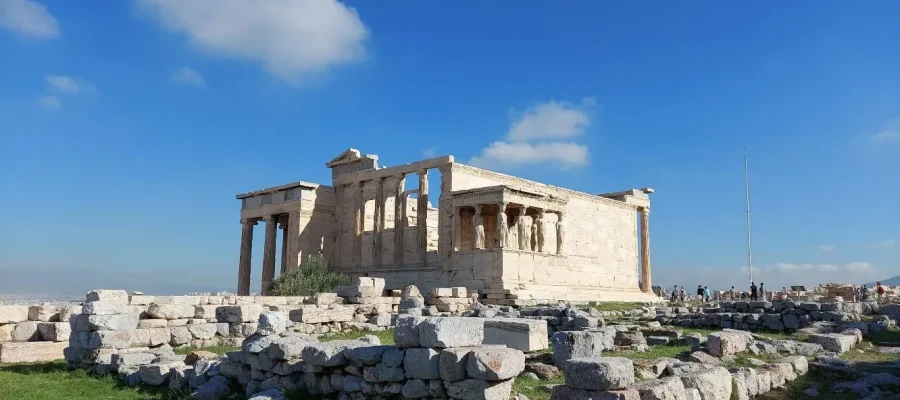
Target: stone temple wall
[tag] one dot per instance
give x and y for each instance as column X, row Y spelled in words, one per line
column 36, row 332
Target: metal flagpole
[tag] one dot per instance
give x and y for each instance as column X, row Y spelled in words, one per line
column 747, row 192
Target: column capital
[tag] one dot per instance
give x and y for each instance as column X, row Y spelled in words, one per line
column 422, row 172
column 560, row 214
column 248, row 221
column 270, row 218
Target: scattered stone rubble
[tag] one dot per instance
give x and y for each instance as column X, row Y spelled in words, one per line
column 764, row 315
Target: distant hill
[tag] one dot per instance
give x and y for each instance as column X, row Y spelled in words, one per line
column 895, row 281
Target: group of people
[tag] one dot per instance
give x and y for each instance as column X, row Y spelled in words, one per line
column 862, row 293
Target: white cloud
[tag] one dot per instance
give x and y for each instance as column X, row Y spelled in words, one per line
column 28, row 18
column 827, row 247
column 62, row 83
column 536, row 136
column 188, row 76
column 886, row 135
column 552, row 120
column 295, row 40
column 885, row 244
column 504, row 154
column 429, row 152
column 50, row 103
column 860, row 267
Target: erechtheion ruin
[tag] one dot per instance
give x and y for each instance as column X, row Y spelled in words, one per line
column 515, row 241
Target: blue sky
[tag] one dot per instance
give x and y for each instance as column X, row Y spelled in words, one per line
column 127, row 130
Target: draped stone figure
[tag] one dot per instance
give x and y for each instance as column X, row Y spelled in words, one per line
column 539, row 231
column 479, row 228
column 560, row 233
column 512, row 237
column 525, row 232
column 502, row 227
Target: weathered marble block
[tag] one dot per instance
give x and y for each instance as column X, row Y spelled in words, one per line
column 112, row 296
column 522, row 334
column 13, row 314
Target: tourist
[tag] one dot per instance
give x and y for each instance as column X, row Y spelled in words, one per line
column 762, row 292
column 706, row 293
column 879, row 291
column 753, row 292
column 733, row 293
column 784, row 293
column 700, row 292
column 681, row 294
column 865, row 293
column 857, row 293
column 674, row 293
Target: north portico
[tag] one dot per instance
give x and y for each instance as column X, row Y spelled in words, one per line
column 513, row 240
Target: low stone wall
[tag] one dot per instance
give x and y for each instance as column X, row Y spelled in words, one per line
column 763, row 315
column 35, row 332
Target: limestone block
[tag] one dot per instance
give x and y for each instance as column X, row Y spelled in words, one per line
column 835, row 342
column 476, row 389
column 784, row 369
column 151, row 336
column 383, row 373
column 26, row 332
column 443, row 332
column 109, row 339
column 104, row 308
column 580, row 344
column 421, row 363
column 745, row 383
column 382, row 319
column 54, row 331
column 459, row 292
column 13, row 314
column 315, row 315
column 155, row 374
column 271, row 323
column 323, row 299
column 763, row 381
column 365, row 355
column 238, row 314
column 115, row 322
column 712, row 383
column 669, row 388
column 43, row 313
column 406, row 331
column 289, row 347
column 563, row 392
column 31, row 352
column 441, row 292
column 203, row 331
column 452, row 363
column 152, row 323
column 112, row 296
column 170, row 311
column 241, row 330
column 205, row 311
column 726, row 343
column 799, row 363
column 600, row 373
column 329, row 354
column 494, row 364
column 522, row 334
column 66, row 312
column 180, row 335
column 6, row 332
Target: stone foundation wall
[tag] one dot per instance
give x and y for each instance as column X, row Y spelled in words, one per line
column 34, row 333
column 764, row 315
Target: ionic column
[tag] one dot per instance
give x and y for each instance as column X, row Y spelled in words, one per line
column 457, row 229
column 502, row 226
column 379, row 221
column 268, row 272
column 399, row 223
column 243, row 288
column 358, row 220
column 539, row 231
column 284, row 245
column 560, row 233
column 645, row 250
column 422, row 215
column 478, row 223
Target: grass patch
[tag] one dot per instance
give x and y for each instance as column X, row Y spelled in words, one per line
column 220, row 350
column 891, row 335
column 616, row 306
column 654, row 353
column 532, row 389
column 386, row 337
column 52, row 381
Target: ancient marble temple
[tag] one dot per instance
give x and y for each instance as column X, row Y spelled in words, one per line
column 513, row 240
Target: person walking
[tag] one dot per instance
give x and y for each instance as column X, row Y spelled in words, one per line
column 681, row 294
column 762, row 292
column 879, row 290
column 674, row 293
column 706, row 292
column 753, row 291
column 733, row 294
column 700, row 293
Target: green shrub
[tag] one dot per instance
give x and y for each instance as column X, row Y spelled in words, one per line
column 316, row 276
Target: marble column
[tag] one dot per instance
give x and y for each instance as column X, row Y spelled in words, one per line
column 268, row 272
column 646, row 284
column 422, row 216
column 539, row 231
column 358, row 220
column 379, row 221
column 243, row 288
column 399, row 222
column 457, row 229
column 284, row 245
column 502, row 226
column 560, row 232
column 478, row 224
